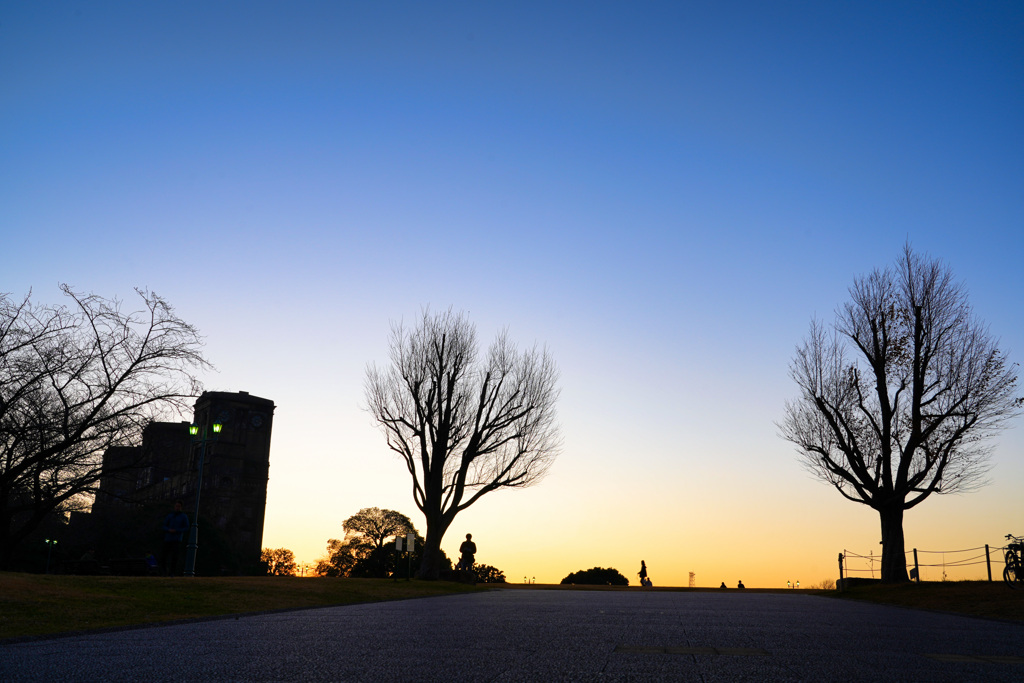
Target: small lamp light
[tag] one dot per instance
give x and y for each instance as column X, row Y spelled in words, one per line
column 193, row 429
column 217, row 426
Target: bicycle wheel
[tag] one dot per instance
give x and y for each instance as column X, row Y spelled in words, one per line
column 1013, row 574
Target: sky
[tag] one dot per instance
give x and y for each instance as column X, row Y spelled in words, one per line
column 662, row 195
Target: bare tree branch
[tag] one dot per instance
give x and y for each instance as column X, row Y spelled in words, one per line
column 76, row 380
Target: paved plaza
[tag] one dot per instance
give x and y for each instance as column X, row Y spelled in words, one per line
column 543, row 635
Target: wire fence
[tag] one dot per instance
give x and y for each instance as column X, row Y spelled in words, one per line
column 984, row 563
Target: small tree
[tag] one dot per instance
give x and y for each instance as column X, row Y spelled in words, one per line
column 897, row 402
column 485, row 573
column 75, row 381
column 366, row 550
column 464, row 427
column 279, row 561
column 597, row 576
column 339, row 559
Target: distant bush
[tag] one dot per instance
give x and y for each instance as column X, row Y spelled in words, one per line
column 825, row 585
column 597, row 576
column 485, row 573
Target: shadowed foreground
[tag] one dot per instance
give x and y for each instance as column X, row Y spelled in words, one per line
column 511, row 635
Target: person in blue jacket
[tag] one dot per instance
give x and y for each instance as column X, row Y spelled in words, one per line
column 175, row 526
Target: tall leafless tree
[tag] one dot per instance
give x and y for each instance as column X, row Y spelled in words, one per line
column 76, row 380
column 899, row 400
column 464, row 426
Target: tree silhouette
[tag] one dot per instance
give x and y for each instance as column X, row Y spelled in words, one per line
column 75, row 381
column 597, row 576
column 485, row 573
column 463, row 426
column 279, row 561
column 897, row 402
column 367, row 550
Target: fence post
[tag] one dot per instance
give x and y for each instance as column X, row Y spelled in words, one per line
column 917, row 568
column 988, row 563
column 840, row 572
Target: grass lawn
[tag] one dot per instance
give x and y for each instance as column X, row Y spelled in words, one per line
column 34, row 604
column 994, row 600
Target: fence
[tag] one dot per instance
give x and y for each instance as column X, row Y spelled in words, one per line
column 970, row 564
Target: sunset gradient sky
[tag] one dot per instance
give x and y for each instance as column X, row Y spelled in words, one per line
column 663, row 194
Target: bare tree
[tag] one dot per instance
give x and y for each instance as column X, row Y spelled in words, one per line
column 899, row 400
column 463, row 426
column 74, row 381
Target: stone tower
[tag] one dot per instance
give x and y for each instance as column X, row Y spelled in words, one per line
column 140, row 483
column 236, row 470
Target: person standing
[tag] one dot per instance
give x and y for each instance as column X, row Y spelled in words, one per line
column 175, row 526
column 643, row 573
column 468, row 551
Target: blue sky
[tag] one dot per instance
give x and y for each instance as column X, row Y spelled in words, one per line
column 664, row 194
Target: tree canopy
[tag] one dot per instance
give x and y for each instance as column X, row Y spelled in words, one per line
column 368, row 547
column 485, row 573
column 279, row 561
column 899, row 399
column 597, row 576
column 76, row 380
column 464, row 426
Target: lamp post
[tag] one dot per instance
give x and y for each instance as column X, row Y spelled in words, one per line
column 49, row 550
column 193, row 532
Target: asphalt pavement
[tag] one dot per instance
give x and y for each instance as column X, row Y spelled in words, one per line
column 543, row 635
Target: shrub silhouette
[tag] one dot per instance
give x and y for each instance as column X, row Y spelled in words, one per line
column 597, row 576
column 485, row 573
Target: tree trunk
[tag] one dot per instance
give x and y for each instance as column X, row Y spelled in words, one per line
column 894, row 558
column 430, row 566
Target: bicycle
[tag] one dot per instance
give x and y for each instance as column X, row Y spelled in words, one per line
column 1013, row 573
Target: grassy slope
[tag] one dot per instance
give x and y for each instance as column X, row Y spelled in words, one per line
column 993, row 600
column 32, row 604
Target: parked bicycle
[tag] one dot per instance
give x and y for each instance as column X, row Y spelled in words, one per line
column 1014, row 572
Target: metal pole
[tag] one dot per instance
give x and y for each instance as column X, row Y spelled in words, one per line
column 988, row 563
column 193, row 533
column 840, row 572
column 917, row 569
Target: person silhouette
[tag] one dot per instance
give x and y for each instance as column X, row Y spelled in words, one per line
column 643, row 573
column 468, row 550
column 741, row 584
column 174, row 528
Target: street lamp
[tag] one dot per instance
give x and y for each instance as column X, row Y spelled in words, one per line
column 49, row 550
column 193, row 533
